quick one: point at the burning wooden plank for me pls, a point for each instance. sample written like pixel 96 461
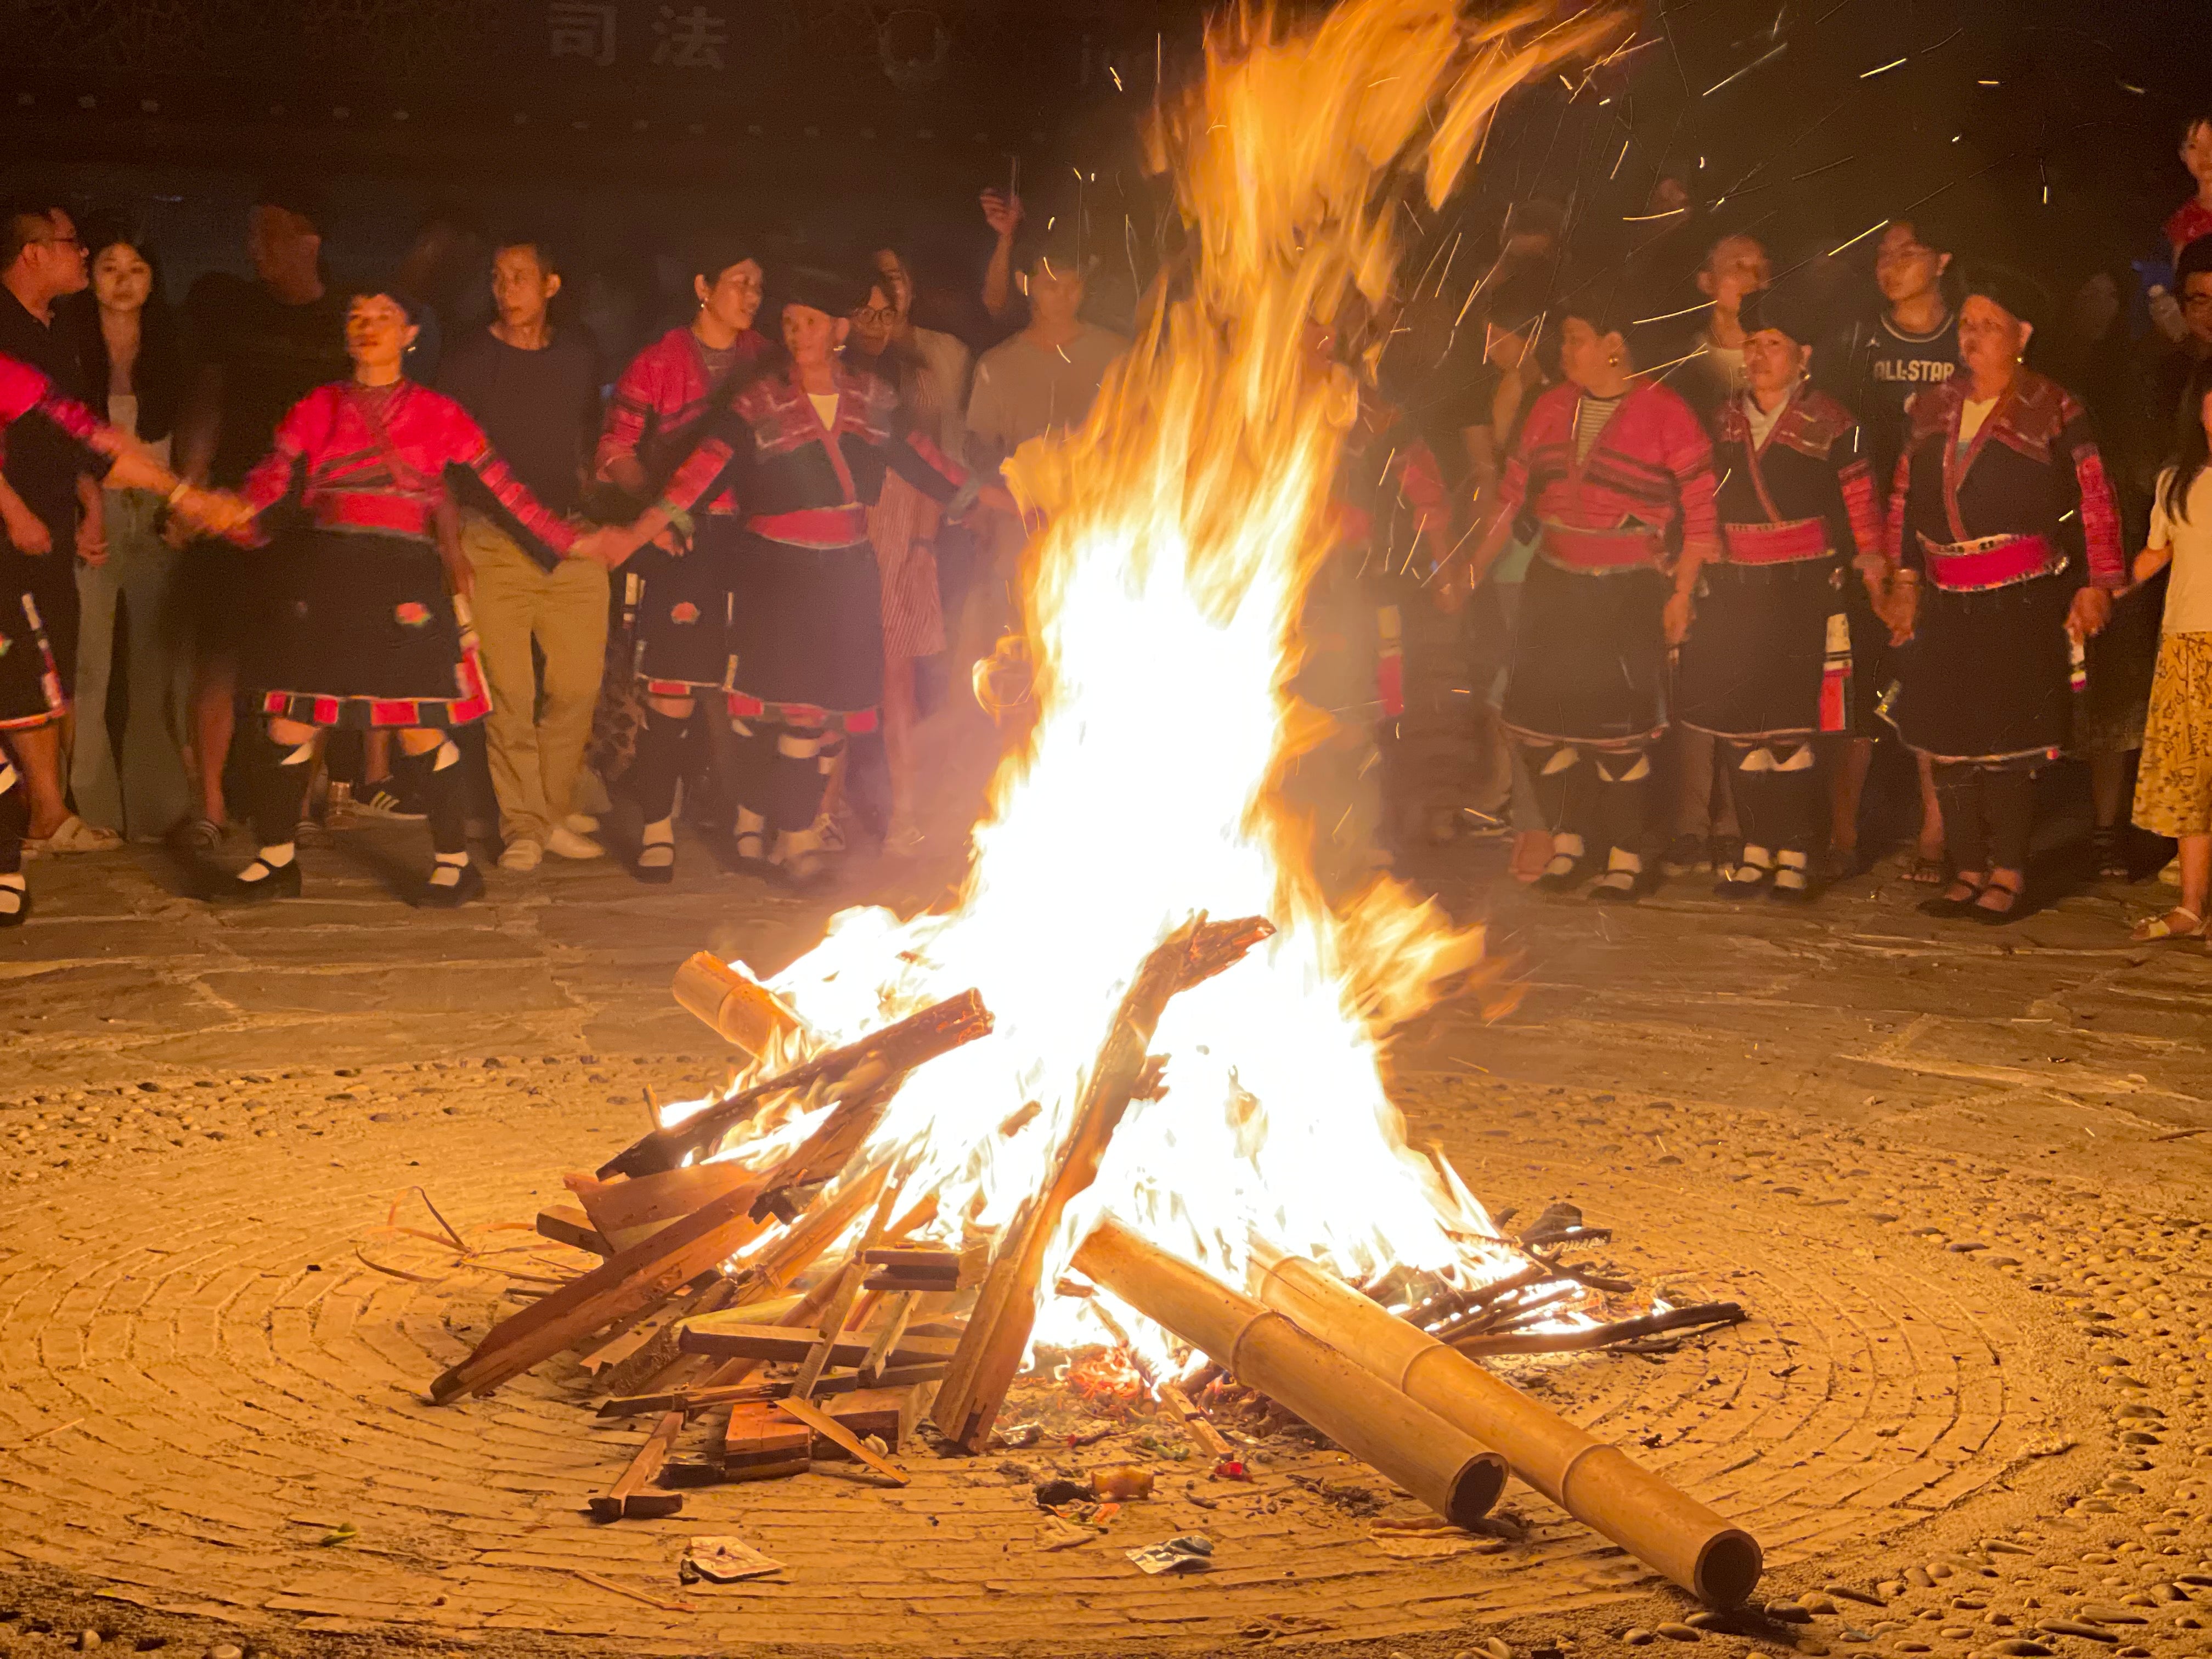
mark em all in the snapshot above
pixel 943 1269
pixel 1438 1463
pixel 899 1379
pixel 999 1331
pixel 856 1068
pixel 626 1211
pixel 782 1345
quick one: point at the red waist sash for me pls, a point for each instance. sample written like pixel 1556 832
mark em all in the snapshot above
pixel 1597 551
pixel 1992 562
pixel 394 515
pixel 1793 542
pixel 813 526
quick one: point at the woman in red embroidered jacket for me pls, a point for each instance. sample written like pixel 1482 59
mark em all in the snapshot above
pixel 362 632
pixel 31 695
pixel 2004 526
pixel 804 452
pixel 679 594
pixel 1767 663
pixel 1619 476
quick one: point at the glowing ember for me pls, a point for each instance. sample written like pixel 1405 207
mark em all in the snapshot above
pixel 1185 522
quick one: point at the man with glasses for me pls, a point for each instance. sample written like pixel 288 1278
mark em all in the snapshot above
pixel 2178 360
pixel 52 514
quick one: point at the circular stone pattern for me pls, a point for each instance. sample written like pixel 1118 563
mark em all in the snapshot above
pixel 212 1365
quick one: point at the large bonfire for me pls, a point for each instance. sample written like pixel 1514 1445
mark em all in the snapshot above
pixel 1180 529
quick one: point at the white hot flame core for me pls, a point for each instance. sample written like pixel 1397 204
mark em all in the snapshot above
pixel 1184 524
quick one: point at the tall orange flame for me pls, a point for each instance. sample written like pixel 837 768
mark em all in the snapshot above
pixel 1184 524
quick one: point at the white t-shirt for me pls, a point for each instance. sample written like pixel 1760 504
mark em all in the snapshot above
pixel 2189 595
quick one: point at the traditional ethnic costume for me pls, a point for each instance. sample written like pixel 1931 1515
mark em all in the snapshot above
pixel 2003 523
pixel 1767 664
pixel 808 638
pixel 1618 487
pixel 362 632
pixel 31 692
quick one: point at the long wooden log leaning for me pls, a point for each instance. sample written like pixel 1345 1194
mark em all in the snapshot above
pixel 969 1403
pixel 885 1053
pixel 1596 1483
pixel 1441 1464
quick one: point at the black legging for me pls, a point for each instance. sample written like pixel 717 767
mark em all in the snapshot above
pixel 1988 812
pixel 1603 797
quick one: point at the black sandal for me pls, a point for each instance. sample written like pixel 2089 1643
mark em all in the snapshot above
pixel 1944 906
pixel 1989 915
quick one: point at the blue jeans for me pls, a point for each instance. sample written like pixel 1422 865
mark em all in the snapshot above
pixel 142 793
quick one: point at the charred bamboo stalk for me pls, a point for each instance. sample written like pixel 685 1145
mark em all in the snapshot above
pixel 1005 1308
pixel 1405 1441
pixel 865 1065
pixel 739 1008
pixel 1596 1483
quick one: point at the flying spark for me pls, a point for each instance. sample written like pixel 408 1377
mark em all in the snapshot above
pixel 1884 70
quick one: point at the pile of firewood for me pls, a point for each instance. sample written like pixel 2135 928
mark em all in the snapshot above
pixel 844 1323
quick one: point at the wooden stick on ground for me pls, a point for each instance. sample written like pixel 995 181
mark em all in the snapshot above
pixel 858 1065
pixel 896 1312
pixel 627 1498
pixel 1195 1424
pixel 838 1434
pixel 1005 1309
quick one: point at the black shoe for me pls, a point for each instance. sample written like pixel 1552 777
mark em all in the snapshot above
pixel 1563 873
pixel 1798 892
pixel 1684 854
pixel 22 913
pixel 1609 891
pixel 1744 881
pixel 436 896
pixel 283 882
pixel 655 875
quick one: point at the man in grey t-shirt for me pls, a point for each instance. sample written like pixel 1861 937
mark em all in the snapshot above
pixel 1044 379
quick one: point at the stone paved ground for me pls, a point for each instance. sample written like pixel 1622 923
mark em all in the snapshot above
pixel 1950 1171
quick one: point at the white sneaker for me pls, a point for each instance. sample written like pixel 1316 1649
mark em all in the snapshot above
pixel 568 844
pixel 521 853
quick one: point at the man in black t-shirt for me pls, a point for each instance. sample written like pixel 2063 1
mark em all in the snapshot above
pixel 256 349
pixel 1875 368
pixel 53 516
pixel 535 391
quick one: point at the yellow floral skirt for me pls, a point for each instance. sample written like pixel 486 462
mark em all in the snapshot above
pixel 2173 786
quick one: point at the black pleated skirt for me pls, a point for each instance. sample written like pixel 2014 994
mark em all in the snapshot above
pixel 358 630
pixel 1589 659
pixel 808 631
pixel 1989 674
pixel 1753 664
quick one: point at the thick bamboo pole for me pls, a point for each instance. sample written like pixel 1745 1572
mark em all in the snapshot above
pixel 1391 1434
pixel 1598 1484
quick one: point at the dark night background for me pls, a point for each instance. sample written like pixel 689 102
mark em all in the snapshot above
pixel 2041 131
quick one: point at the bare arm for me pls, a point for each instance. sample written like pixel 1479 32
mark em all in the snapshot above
pixel 27 531
pixel 92 521
pixel 1003 213
pixel 2150 561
